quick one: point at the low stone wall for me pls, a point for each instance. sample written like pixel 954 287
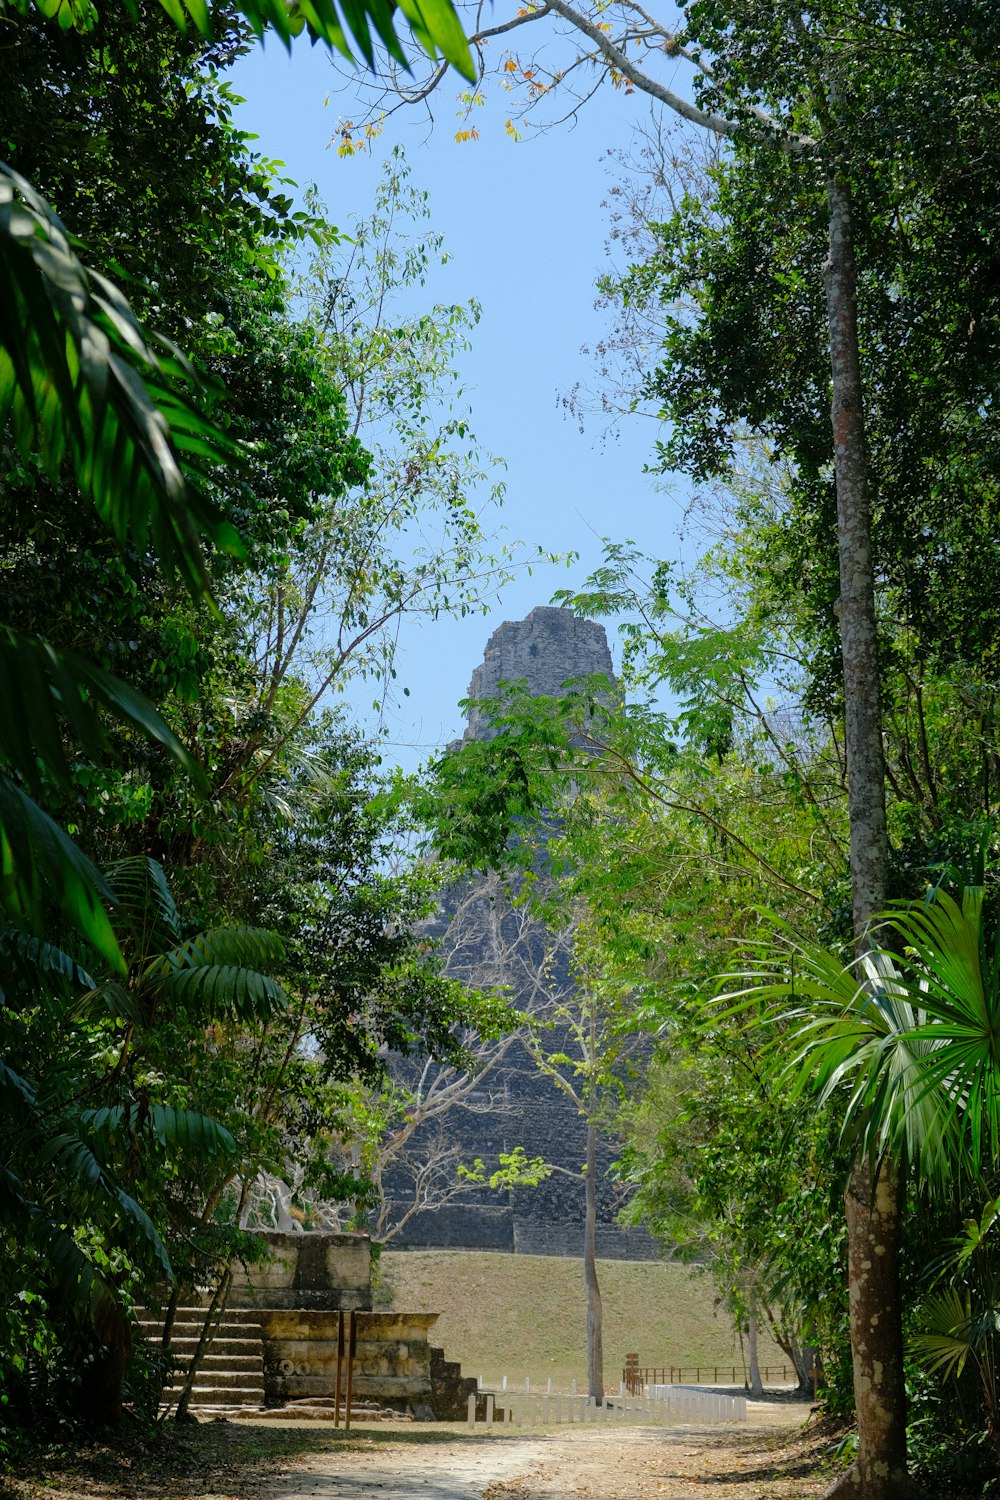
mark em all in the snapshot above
pixel 392 1363
pixel 313 1270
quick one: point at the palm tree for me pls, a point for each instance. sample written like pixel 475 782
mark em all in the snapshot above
pixel 908 1040
pixel 79 1144
pixel 909 1037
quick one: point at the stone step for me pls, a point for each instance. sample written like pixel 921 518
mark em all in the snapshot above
pixel 234 1380
pixel 230 1380
pixel 231 1371
pixel 210 1376
pixel 228 1349
pixel 184 1318
pixel 228 1395
pixel 238 1364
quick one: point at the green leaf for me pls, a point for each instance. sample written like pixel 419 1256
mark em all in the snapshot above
pixel 434 23
pixel 45 690
pixel 40 865
pixel 80 378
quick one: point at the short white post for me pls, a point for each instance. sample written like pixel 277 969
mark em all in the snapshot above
pixel 472 1409
pixel 548 1386
pixel 503 1383
pixel 572 1387
pixel 489 1412
pixel 527 1383
pixel 479 1382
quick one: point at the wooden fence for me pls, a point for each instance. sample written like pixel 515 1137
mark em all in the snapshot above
pixel 668 1406
pixel 636 1378
pixel 639 1377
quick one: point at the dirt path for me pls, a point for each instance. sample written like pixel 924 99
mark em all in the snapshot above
pixel 770 1458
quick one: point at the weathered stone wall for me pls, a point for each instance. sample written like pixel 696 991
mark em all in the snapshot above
pixel 524 1109
pixel 392 1363
pixel 317 1269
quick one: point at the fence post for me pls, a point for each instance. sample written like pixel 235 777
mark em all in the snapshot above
pixel 489 1412
pixel 472 1410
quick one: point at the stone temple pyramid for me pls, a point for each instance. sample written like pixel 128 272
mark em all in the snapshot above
pixel 489 943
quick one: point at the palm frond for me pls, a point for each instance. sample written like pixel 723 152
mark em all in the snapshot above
pixel 221 970
pixel 81 379
pixel 950 1333
pixel 188 1130
pixel 223 989
pixel 145 907
pixel 41 868
pixel 244 946
pixel 864 1033
pixel 39 971
pixel 341 24
pixel 172 1128
pixel 46 691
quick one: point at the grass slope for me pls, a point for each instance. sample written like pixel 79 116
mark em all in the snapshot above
pixel 524 1315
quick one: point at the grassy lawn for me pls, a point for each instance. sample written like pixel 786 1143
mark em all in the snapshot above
pixel 523 1315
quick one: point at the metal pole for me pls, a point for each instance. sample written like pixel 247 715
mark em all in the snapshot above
pixel 340 1362
pixel 352 1349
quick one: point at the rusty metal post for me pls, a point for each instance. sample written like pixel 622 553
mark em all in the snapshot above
pixel 352 1349
pixel 340 1362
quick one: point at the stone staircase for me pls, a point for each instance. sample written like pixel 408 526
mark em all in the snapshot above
pixel 450 1389
pixel 232 1371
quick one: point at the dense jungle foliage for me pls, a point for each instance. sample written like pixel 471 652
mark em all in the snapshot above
pixel 212 916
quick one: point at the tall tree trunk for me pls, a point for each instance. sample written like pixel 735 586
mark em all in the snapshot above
pixel 869 845
pixel 595 1321
pixel 753 1358
pixel 879 1473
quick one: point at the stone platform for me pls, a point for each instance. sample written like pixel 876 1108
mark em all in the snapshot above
pixel 290 1304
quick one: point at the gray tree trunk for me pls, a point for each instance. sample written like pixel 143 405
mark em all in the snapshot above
pixel 879 1472
pixel 595 1321
pixel 753 1358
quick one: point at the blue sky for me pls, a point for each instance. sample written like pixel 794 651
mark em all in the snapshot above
pixel 526 229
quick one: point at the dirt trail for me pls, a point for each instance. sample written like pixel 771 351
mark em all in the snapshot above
pixel 767 1459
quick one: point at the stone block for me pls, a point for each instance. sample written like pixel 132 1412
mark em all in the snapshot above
pixel 315 1269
